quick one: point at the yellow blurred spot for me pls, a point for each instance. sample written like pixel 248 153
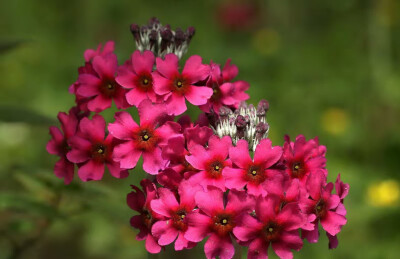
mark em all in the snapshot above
pixel 335 121
pixel 384 194
pixel 266 41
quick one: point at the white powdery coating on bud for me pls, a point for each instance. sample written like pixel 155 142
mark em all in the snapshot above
pixel 226 126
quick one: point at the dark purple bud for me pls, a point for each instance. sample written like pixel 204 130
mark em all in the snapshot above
pixel 153 36
pixel 263 105
pixel 261 129
pixel 190 33
pixel 166 37
pixel 143 29
pixel 224 112
pixel 180 37
pixel 135 29
pixel 153 21
pixel 241 122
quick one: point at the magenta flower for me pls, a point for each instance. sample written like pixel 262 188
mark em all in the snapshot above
pixel 303 157
pixel 108 48
pixel 175 86
pixel 91 150
pixel 140 201
pixel 59 146
pixel 211 163
pixel 271 226
pixel 101 86
pixel 136 75
pixel 145 139
pixel 257 175
pixel 175 223
pixel 217 221
pixel 323 205
pixel 225 92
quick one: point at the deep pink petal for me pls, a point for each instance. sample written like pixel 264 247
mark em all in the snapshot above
pixel 234 178
pixel 105 66
pixel 182 243
pixel 229 71
pixel 219 147
pixel 136 199
pixel 169 66
pixel 143 62
pixel 198 227
pixel 289 240
pixel 195 70
pixel 150 113
pixel 312 236
pixel 198 95
pixel 333 241
pixel 265 207
pixel 161 84
pixel 153 162
pixel 248 229
pixel 240 154
pixel 65 170
pixel 127 155
pixel 267 155
pixel 167 202
pixel 116 170
pixel 92 170
pixel 333 222
pixel 99 103
pixel 210 201
pixel 198 158
pixel 176 104
pixel 93 129
pixel 291 217
pixel 135 97
pixel 151 245
pixel 123 126
pixel 258 249
pixel 219 246
pixel 164 231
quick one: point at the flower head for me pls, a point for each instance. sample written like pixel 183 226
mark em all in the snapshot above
pixel 145 139
pixel 140 201
pixel 176 87
pixel 92 150
pixel 256 174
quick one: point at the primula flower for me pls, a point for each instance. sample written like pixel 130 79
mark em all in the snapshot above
pixel 91 150
pixel 140 201
pixel 175 223
pixel 59 146
pixel 323 205
pixel 136 75
pixel 225 93
pixel 276 227
pixel 101 86
pixel 303 157
pixel 256 174
pixel 217 220
pixel 211 163
pixel 175 86
pixel 145 139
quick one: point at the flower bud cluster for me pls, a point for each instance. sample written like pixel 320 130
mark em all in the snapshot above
pixel 246 122
pixel 160 39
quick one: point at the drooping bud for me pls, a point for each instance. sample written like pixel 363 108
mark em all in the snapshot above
pixel 161 40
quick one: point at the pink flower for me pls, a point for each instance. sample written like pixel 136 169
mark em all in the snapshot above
pixel 257 175
pixel 323 205
pixel 91 53
pixel 140 201
pixel 92 150
pixel 211 163
pixel 271 226
pixel 59 146
pixel 303 157
pixel 175 86
pixel 175 223
pixel 100 86
pixel 217 221
pixel 145 139
pixel 225 93
pixel 136 75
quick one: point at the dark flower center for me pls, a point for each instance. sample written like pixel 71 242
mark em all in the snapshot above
pixel 144 82
pixel 214 169
pixel 99 152
pixel 109 88
pixel 255 174
pixel 298 170
pixel 320 209
pixel 271 231
pixel 216 92
pixel 223 223
pixel 179 220
pixel 180 84
pixel 147 218
pixel 146 138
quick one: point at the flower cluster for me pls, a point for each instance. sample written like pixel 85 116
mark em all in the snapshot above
pixel 217 178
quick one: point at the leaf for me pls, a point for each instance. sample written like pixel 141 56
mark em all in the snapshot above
pixel 22 203
pixel 20 114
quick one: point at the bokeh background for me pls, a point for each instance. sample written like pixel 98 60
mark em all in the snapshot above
pixel 328 68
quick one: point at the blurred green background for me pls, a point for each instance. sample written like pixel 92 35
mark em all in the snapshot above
pixel 328 68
